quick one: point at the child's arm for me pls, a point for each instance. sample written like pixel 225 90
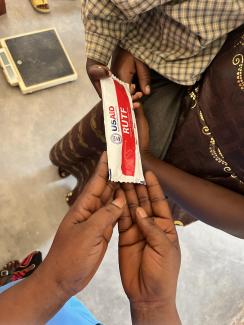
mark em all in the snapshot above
pixel 210 203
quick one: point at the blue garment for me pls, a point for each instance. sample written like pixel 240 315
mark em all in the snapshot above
pixel 72 313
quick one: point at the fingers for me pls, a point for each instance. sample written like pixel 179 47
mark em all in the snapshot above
pixel 108 193
pixel 131 198
pixel 97 192
pixel 96 72
pixel 132 89
pixel 98 182
pixel 126 75
pixel 109 214
pixel 140 116
pixel 154 235
pixel 123 65
pixel 159 204
pixel 143 198
pixel 137 96
pixel 160 207
pixel 125 221
pixel 143 73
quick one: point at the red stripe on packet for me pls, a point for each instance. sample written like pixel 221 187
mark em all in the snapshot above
pixel 128 163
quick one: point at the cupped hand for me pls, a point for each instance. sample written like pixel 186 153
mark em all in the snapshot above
pixel 83 236
pixel 149 252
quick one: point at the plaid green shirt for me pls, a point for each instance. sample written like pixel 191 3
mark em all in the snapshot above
pixel 176 38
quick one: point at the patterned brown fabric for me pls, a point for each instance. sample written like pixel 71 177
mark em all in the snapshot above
pixel 79 150
pixel 209 139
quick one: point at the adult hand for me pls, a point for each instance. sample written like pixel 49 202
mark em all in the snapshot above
pixel 76 253
pixel 149 254
pixel 97 71
pixel 125 66
pixel 83 236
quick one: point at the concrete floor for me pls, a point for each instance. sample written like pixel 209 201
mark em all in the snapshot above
pixel 211 285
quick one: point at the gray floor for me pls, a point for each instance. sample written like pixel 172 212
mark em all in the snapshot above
pixel 211 285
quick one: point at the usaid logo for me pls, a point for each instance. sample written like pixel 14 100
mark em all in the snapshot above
pixel 116 138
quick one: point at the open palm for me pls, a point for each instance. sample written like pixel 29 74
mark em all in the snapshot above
pixel 149 253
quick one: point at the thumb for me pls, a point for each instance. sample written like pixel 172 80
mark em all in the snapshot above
pixel 143 74
pixel 97 71
pixel 109 214
pixel 153 234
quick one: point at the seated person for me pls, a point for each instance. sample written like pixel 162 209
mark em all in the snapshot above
pixel 147 240
pixel 203 170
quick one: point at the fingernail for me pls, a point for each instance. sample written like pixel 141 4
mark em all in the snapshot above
pixel 141 212
pixel 119 202
pixel 178 223
pixel 147 90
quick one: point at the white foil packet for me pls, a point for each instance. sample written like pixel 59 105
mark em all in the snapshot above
pixel 124 159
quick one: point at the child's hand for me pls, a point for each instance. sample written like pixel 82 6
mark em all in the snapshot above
pixel 125 66
pixel 136 96
pixel 97 71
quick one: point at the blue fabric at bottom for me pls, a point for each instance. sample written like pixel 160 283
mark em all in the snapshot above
pixel 72 313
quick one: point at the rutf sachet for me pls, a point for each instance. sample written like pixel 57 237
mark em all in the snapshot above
pixel 124 159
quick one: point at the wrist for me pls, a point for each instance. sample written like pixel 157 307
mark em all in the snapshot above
pixel 44 296
pixel 45 279
pixel 146 157
pixel 146 153
pixel 154 313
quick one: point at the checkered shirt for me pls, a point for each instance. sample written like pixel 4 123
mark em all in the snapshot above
pixel 176 38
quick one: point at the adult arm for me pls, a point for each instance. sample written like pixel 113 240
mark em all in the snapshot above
pixel 76 253
pixel 32 301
